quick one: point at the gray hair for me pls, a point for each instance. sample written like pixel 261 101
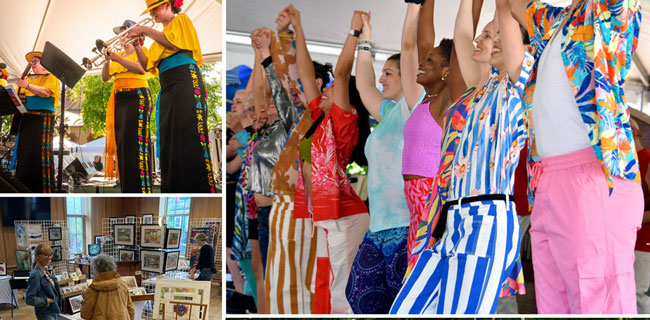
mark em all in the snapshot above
pixel 103 263
pixel 200 237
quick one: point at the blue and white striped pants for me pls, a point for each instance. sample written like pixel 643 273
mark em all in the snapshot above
pixel 464 271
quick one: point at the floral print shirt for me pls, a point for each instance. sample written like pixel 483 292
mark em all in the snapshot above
pixel 599 40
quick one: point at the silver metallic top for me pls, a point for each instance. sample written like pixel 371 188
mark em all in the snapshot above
pixel 270 145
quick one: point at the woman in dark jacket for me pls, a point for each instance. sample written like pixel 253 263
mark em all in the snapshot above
pixel 205 265
pixel 42 288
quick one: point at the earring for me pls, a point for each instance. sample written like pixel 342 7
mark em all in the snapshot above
pixel 445 76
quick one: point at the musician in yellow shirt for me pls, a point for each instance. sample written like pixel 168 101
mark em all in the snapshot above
pixel 33 151
pixel 127 117
pixel 185 159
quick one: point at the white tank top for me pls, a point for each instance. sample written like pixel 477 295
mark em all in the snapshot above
pixel 557 122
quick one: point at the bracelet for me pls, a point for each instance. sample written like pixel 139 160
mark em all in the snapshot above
pixel 28 85
pixel 365 42
pixel 355 33
pixel 369 49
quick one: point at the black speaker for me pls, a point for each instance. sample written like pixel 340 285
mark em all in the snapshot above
pixel 76 170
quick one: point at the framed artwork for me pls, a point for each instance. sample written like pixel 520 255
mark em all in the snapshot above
pixel 147 218
pixel 124 234
pixel 127 255
pixel 137 291
pixel 171 260
pixel 152 236
pixel 179 290
pixel 54 233
pixel 99 240
pixel 129 219
pixel 152 261
pixel 21 236
pixel 23 260
pixel 66 290
pixel 173 239
pixel 196 230
pixel 65 275
pixel 57 253
pixel 130 282
pixel 94 249
pixel 75 303
pixel 3 269
pixel 34 232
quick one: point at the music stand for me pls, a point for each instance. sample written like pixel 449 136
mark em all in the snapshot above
pixel 69 72
pixel 8 102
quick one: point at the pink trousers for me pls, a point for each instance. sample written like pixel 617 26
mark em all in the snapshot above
pixel 583 238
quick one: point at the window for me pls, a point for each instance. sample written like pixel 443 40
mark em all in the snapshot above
pixel 177 215
pixel 76 209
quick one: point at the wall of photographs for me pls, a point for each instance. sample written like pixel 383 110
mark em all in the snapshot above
pixel 31 233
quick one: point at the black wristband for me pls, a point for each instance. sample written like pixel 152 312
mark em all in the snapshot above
pixel 355 33
pixel 414 1
pixel 267 61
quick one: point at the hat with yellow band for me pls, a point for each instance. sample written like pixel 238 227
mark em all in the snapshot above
pixel 30 55
pixel 152 4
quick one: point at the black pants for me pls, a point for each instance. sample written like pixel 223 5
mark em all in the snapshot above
pixel 132 115
pixel 34 166
pixel 185 162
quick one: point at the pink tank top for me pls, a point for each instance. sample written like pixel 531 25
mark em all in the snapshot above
pixel 422 138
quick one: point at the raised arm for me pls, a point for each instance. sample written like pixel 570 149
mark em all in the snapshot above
pixel 518 8
pixel 258 81
pixel 426 36
pixel 303 59
pixel 286 111
pixel 464 43
pixel 512 44
pixel 409 57
pixel 343 68
pixel 365 75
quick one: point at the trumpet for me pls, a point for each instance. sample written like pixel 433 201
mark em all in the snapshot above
pixel 114 45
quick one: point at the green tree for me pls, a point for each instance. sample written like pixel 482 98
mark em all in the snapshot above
pixel 93 94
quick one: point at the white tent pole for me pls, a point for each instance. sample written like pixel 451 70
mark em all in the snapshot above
pixel 40 29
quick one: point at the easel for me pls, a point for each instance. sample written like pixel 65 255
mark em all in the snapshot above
pixel 69 73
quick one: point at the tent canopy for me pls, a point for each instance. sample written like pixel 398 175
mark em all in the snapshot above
pixel 328 22
pixel 73 26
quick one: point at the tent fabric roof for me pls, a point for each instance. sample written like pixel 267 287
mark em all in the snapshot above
pixel 73 26
pixel 329 21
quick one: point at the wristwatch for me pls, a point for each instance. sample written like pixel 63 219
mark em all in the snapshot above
pixel 355 33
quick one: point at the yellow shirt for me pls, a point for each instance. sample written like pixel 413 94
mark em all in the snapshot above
pixel 181 33
pixel 49 81
pixel 3 82
pixel 119 71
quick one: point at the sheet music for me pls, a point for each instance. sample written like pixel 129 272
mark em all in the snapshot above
pixel 14 97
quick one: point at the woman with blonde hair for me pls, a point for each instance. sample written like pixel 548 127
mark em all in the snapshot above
pixel 43 290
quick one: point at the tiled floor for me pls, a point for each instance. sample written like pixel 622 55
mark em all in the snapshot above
pixel 25 312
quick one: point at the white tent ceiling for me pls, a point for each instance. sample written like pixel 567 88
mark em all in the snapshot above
pixel 74 25
pixel 329 21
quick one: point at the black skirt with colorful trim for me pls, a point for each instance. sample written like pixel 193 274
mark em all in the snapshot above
pixel 185 161
pixel 132 115
pixel 34 162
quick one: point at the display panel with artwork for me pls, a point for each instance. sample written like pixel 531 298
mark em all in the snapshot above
pixel 23 260
pixel 57 253
pixel 196 292
pixel 152 261
pixel 75 303
pixel 152 236
pixel 21 236
pixel 127 255
pixel 173 239
pixel 124 234
pixel 94 249
pixel 55 233
pixel 171 261
pixel 130 282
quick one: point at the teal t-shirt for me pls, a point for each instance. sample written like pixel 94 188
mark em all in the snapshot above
pixel 383 150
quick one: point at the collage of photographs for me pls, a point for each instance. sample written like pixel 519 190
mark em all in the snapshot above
pixel 247 159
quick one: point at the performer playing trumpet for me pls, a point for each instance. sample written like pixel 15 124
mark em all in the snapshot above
pixel 185 159
pixel 127 116
pixel 33 151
